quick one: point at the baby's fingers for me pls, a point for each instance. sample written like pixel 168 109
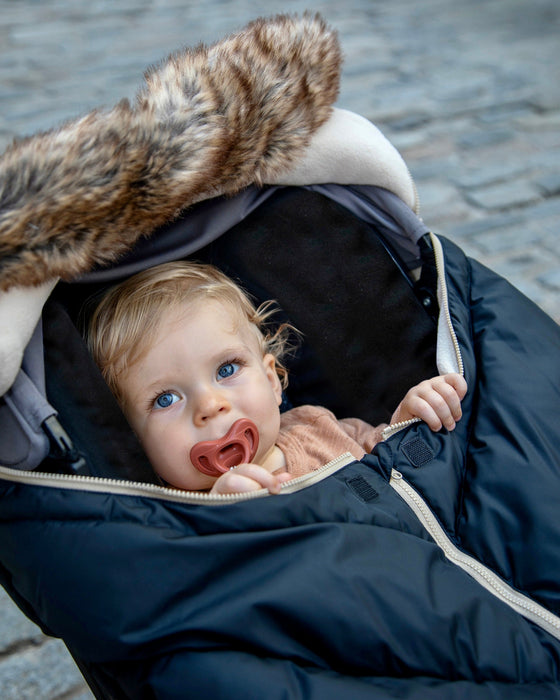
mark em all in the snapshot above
pixel 245 478
pixel 444 396
pixel 432 409
pixel 458 382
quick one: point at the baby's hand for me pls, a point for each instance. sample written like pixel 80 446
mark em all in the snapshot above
pixel 249 477
pixel 436 401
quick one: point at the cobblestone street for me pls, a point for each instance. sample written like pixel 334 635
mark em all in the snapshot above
pixel 467 90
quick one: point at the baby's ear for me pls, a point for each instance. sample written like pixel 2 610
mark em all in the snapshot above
pixel 269 362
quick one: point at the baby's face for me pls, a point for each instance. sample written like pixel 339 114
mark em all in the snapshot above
pixel 205 371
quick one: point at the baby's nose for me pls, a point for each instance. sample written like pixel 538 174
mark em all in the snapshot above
pixel 210 404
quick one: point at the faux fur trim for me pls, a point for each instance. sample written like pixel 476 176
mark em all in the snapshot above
pixel 207 121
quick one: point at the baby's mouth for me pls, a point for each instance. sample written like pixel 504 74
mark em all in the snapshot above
pixel 238 446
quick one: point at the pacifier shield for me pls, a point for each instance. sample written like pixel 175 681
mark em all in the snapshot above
pixel 238 446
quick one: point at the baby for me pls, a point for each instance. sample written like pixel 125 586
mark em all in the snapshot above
pixel 199 378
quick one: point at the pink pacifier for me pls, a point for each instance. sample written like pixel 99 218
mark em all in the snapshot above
pixel 238 446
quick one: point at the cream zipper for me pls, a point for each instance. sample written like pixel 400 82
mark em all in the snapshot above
pixel 445 323
pixel 446 326
pixel 133 488
pixel 397 427
pixel 519 602
pixel 318 475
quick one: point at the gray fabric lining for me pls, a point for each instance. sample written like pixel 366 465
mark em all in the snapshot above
pixel 210 219
pixel 181 238
pixel 23 409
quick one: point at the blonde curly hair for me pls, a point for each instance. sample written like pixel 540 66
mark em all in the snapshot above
pixel 125 323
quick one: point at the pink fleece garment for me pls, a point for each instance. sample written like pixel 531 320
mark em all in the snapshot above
pixel 312 436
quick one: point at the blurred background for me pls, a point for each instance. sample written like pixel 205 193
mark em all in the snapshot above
pixel 467 90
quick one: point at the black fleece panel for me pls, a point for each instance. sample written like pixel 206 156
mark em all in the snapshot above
pixel 367 337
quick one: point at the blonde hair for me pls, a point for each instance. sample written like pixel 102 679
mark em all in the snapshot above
pixel 126 321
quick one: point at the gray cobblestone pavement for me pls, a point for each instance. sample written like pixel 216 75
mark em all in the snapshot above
pixel 468 91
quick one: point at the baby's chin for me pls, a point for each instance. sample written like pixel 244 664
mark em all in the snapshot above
pixel 195 481
pixel 272 459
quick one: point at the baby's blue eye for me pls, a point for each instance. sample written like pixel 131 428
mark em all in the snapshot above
pixel 165 400
pixel 227 370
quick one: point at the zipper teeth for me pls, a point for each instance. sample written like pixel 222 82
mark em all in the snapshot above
pixel 114 486
pixel 396 427
pixel 486 577
pixel 440 267
pixel 318 474
pixel 135 488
